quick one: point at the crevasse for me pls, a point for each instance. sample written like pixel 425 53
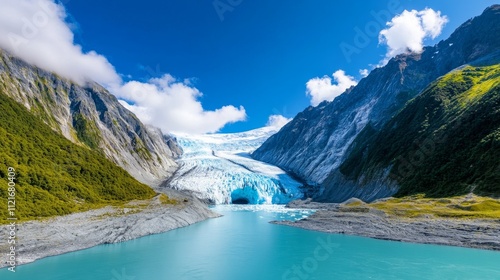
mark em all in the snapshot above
pixel 218 168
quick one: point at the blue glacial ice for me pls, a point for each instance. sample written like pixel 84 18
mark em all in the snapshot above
pixel 218 168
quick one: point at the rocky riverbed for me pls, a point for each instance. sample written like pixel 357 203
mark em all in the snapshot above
pixel 369 222
pixel 39 239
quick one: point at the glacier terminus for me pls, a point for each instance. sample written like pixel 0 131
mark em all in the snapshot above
pixel 218 168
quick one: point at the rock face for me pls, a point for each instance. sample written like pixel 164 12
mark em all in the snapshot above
pixel 318 140
pixel 445 142
pixel 89 115
pixel 369 222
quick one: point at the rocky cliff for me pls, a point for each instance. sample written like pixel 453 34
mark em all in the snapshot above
pixel 319 139
pixel 90 116
pixel 445 142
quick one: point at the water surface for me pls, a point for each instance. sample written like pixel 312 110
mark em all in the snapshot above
pixel 242 245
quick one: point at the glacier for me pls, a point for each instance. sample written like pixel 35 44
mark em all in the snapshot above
pixel 218 168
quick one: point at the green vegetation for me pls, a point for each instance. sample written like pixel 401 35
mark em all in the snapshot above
pixel 138 206
pixel 454 207
pixel 86 131
pixel 445 142
pixel 164 199
pixel 39 110
pixel 53 175
pixel 141 149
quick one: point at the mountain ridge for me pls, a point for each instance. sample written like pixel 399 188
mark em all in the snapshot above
pixel 53 176
pixel 318 140
pixel 444 142
pixel 90 116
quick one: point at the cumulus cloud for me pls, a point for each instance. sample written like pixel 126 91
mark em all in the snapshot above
pixel 37 32
pixel 433 22
pixel 321 89
pixel 173 105
pixel 364 72
pixel 407 31
pixel 277 121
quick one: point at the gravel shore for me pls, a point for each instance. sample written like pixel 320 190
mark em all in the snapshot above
pixel 39 239
pixel 369 222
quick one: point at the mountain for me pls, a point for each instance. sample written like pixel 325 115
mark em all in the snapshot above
pixel 445 142
pixel 90 116
pixel 319 140
pixel 218 168
pixel 53 176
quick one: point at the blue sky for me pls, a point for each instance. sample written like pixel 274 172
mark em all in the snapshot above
pixel 260 54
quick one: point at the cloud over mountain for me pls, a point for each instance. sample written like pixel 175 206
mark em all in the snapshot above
pixel 407 31
pixel 37 32
pixel 173 105
pixel 321 89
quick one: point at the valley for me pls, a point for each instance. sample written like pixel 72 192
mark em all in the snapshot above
pixel 392 173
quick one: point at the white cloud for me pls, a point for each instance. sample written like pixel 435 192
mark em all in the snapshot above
pixel 364 72
pixel 407 31
pixel 277 121
pixel 173 106
pixel 321 89
pixel 433 22
pixel 36 31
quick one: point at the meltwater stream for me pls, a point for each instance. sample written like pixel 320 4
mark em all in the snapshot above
pixel 242 245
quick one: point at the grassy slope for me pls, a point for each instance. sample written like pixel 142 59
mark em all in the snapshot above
pixel 445 142
pixel 55 176
pixel 453 207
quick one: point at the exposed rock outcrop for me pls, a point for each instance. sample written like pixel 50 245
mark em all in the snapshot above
pixel 91 116
pixel 318 140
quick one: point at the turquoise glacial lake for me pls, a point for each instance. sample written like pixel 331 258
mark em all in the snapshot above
pixel 242 245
